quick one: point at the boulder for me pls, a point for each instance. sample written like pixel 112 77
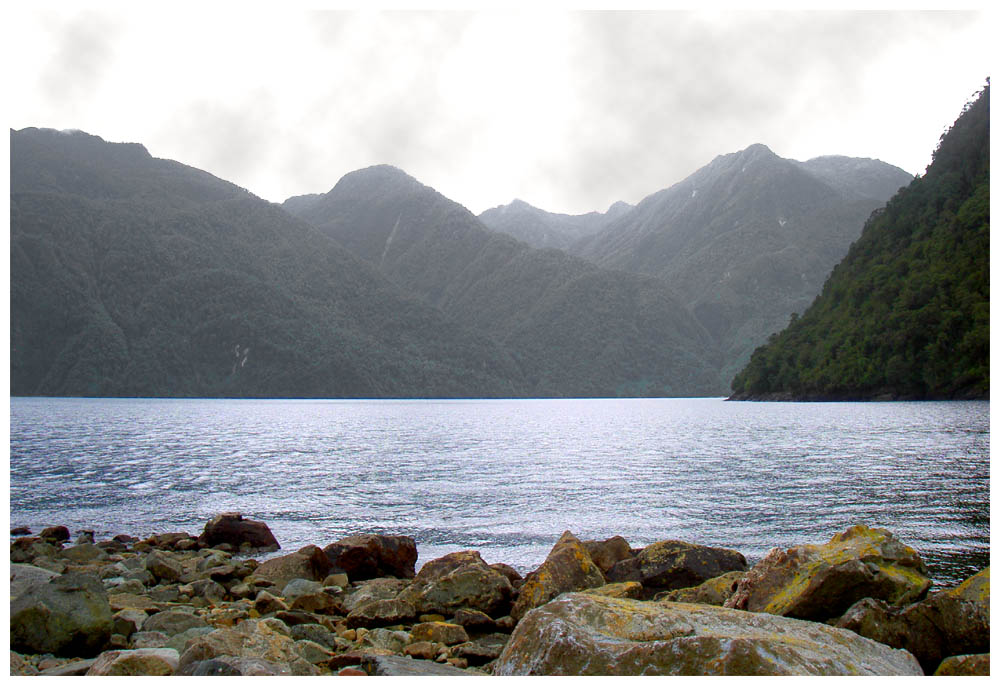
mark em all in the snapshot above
pixel 20 531
pixel 513 576
pixel 163 566
pixel 381 613
pixel 712 592
pixel 127 622
pixel 298 587
pixel 74 668
pixel 149 639
pixel 568 567
pixel 667 565
pixel 316 633
pixel 620 589
pixel 228 665
pixel 370 556
pixel 32 549
pixel 250 639
pixel 482 649
pixel 23 576
pixel 474 621
pixel 173 622
pixel 820 582
pixel 312 652
pixel 318 603
pixel 965 665
pixel 455 581
pixel 424 650
pixel 265 603
pixel 142 662
pixel 306 563
pixel 231 528
pixel 395 665
pixel 55 534
pixel 439 632
pixel 580 634
pixel 84 553
pixel 68 615
pixel 609 552
pixel 950 622
pixel 376 589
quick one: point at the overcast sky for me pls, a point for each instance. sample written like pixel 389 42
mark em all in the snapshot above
pixel 567 111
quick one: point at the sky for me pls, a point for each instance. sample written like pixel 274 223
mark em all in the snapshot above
pixel 569 111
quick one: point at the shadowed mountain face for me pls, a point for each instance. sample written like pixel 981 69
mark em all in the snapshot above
pixel 748 239
pixel 906 313
pixel 132 275
pixel 576 329
pixel 541 229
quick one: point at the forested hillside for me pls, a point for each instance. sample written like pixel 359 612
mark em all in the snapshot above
pixel 574 328
pixel 906 313
pixel 135 276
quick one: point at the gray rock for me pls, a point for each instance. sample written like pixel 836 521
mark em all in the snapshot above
pixel 381 613
pixel 213 667
pixel 149 639
pixel 128 621
pixel 579 634
pixel 455 581
pixel 84 553
pixel 75 668
pixel 313 652
pixel 22 576
pixel 297 587
pixel 376 589
pixel 481 650
pixel 142 662
pixel 386 639
pixel 69 615
pixel 392 665
pixel 179 641
pixel 210 590
pixel 316 633
pixel 172 622
pixel 163 567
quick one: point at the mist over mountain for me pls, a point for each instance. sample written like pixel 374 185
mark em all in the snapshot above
pixel 748 239
pixel 575 328
pixel 135 276
pixel 906 313
pixel 542 229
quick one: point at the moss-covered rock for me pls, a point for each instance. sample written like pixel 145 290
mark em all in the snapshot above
pixel 608 552
pixel 621 589
pixel 715 591
pixel 820 582
pixel 965 665
pixel 455 581
pixel 68 615
pixel 582 634
pixel 955 621
pixel 568 567
pixel 142 662
pixel 668 565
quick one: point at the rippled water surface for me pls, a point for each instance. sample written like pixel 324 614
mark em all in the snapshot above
pixel 508 476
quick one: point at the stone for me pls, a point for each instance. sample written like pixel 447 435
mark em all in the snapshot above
pixel 298 587
pixel 210 590
pixel 230 528
pixel 394 665
pixel 68 615
pixel 126 622
pixel 179 641
pixel 351 671
pixel 481 650
pixel 318 603
pixel 306 563
pixel 123 601
pixel 74 668
pixel 439 632
pixel 339 579
pixel 212 667
pixel 163 567
pixel 168 541
pixel 954 621
pixel 620 589
pixel 423 650
pixel 607 553
pixel 34 550
pixel 386 639
pixel 266 603
pixel 21 667
pixel 455 581
pixel 380 613
pixel 250 639
pixel 149 639
pixel 370 556
pixel 312 652
pixel 473 620
pixel 376 589
pixel 85 536
pixel 668 565
pixel 116 642
pixel 295 617
pixel 316 633
pixel 84 553
pixel 20 531
pixel 567 567
pixel 24 576
pixel 715 591
pixel 820 582
pixel 965 665
pixel 173 622
pixel 513 576
pixel 142 662
pixel 580 634
pixel 229 665
pixel 275 625
pixel 55 534
pixel 354 657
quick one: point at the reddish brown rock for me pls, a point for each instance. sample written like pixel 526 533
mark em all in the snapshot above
pixel 370 556
pixel 609 552
pixel 230 528
pixel 306 563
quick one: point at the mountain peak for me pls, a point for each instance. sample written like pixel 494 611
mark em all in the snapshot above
pixel 757 151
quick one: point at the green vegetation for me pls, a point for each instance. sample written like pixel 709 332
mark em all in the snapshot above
pixel 906 313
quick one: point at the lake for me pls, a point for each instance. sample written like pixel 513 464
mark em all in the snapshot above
pixel 507 477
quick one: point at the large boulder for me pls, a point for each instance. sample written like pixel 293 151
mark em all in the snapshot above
pixel 458 580
pixel 712 592
pixel 231 528
pixel 608 552
pixel 172 622
pixel 68 615
pixel 375 589
pixel 820 582
pixel 377 613
pixel 141 662
pixel 951 622
pixel 668 565
pixel 370 556
pixel 581 634
pixel 306 563
pixel 568 567
pixel 255 639
pixel 23 577
pixel 965 665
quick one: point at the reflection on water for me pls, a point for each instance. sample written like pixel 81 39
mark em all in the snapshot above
pixel 508 476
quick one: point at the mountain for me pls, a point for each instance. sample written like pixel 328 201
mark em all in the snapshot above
pixel 136 276
pixel 748 239
pixel 542 229
pixel 575 329
pixel 906 313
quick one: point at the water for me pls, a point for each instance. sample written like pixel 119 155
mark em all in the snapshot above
pixel 507 477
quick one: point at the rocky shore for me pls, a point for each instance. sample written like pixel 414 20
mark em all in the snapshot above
pixel 176 604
